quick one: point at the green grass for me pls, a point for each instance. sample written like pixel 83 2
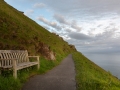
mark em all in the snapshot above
pixel 8 83
pixel 91 77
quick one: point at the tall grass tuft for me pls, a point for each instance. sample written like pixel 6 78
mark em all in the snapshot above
pixel 9 83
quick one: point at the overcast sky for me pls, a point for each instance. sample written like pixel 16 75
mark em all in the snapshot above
pixel 93 26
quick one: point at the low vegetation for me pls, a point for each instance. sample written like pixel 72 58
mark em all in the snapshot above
pixel 91 77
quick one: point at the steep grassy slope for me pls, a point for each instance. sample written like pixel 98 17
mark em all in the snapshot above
pixel 19 32
pixel 89 76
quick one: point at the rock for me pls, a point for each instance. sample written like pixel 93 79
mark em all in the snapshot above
pixel 52 56
pixel 45 51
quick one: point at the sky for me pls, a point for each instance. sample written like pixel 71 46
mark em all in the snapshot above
pixel 93 26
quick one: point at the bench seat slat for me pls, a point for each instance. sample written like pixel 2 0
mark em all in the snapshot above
pixel 21 65
pixel 25 65
pixel 6 67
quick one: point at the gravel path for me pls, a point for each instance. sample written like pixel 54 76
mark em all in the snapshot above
pixel 61 77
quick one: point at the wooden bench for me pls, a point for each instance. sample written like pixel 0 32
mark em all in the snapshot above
pixel 16 60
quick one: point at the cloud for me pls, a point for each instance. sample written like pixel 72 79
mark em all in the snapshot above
pixel 40 18
pixel 75 26
pixel 79 36
pixel 63 23
pixel 99 47
pixel 60 19
pixel 84 7
pixel 108 34
pixel 39 5
pixel 100 37
pixel 68 30
pixel 52 24
pixel 103 43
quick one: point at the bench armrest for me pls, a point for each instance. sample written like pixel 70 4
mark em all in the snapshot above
pixel 34 57
pixel 37 60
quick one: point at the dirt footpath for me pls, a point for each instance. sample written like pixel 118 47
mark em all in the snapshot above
pixel 61 77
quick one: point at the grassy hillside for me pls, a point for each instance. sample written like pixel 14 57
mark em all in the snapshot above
pixel 92 77
pixel 19 32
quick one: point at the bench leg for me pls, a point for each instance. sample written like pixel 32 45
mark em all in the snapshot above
pixel 15 73
pixel 38 66
pixel 14 69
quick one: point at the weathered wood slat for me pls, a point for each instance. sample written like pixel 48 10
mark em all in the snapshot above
pixel 9 62
pixel 24 65
pixel 16 59
pixel 22 57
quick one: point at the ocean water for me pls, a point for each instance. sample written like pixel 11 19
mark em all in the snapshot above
pixel 109 62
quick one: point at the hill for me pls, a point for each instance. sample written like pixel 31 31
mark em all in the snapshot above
pixel 18 32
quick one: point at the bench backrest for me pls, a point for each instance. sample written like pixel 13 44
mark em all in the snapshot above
pixel 6 56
